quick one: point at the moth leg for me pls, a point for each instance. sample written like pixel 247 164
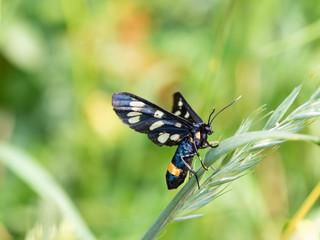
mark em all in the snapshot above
pixel 198 154
pixel 190 173
pixel 213 144
pixel 190 168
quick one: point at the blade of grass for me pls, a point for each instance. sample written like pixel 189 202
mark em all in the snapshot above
pixel 180 219
pixel 298 38
pixel 316 94
pixel 282 109
pixel 224 147
pixel 42 183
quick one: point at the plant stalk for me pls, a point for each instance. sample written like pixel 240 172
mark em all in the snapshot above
pixel 212 155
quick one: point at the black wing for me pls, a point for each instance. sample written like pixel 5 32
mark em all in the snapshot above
pixel 182 109
pixel 162 127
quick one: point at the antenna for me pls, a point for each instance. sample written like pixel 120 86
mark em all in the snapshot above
pixel 211 114
pixel 222 109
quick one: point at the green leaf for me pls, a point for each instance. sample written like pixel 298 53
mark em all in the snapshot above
pixel 264 145
pixel 179 219
pixel 222 181
pixel 38 178
pixel 315 95
pixel 247 123
pixel 306 115
pixel 226 159
pixel 225 146
pixel 282 109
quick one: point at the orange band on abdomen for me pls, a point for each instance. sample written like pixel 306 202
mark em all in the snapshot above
pixel 174 170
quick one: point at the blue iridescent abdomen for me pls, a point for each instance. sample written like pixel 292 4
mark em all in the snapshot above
pixel 177 170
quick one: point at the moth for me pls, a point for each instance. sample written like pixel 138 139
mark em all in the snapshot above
pixel 182 127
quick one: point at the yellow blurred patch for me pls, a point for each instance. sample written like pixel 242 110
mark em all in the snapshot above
pixel 4 235
pixel 63 231
pixel 7 122
pixel 213 65
pixel 305 230
pixel 101 117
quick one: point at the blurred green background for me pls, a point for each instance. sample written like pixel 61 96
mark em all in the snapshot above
pixel 60 63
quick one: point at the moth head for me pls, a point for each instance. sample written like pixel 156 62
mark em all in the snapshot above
pixel 208 129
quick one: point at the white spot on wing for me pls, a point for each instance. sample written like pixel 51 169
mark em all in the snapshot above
pixel 158 114
pixel 132 114
pixel 180 103
pixel 175 137
pixel 163 137
pixel 134 119
pixel 186 115
pixel 178 125
pixel 177 113
pixel 135 109
pixel 156 125
pixel 136 104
